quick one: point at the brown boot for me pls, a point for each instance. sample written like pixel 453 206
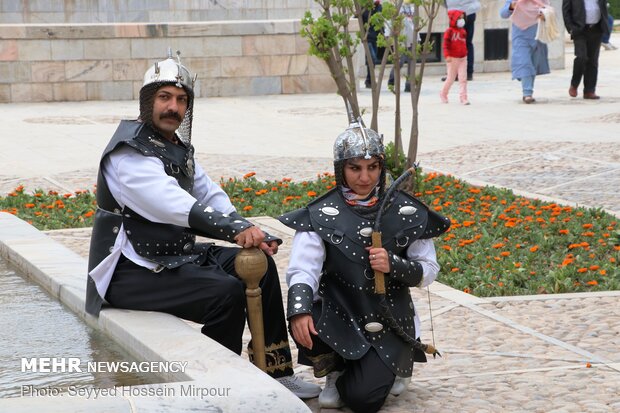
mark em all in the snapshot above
pixel 572 91
pixel 590 95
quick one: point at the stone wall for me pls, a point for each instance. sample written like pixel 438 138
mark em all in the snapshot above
pixel 148 11
pixel 68 62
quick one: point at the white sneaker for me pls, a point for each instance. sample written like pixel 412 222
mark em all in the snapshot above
pixel 329 397
pixel 607 46
pixel 400 385
pixel 300 388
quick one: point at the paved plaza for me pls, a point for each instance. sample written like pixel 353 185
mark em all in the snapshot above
pixel 547 353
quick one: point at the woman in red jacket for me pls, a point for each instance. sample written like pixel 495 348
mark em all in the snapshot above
pixel 455 52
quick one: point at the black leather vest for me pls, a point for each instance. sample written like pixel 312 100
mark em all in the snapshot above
pixel 168 245
pixel 351 320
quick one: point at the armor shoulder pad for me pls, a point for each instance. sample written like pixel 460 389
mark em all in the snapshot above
pixel 436 223
pixel 298 219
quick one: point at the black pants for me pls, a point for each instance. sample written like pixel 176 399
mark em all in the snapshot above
pixel 210 294
pixel 587 49
pixel 470 21
pixel 365 383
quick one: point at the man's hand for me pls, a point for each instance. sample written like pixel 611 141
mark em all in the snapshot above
pixel 250 237
pixel 270 248
pixel 302 326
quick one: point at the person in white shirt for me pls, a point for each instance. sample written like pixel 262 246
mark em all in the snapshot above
pixel 586 21
pixel 153 199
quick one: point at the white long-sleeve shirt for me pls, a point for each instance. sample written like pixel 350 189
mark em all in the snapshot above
pixel 141 183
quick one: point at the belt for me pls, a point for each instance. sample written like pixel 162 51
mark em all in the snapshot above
pixel 591 26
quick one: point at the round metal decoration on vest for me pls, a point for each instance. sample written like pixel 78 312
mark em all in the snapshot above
pixel 373 327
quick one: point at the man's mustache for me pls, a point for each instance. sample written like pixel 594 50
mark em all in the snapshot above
pixel 171 115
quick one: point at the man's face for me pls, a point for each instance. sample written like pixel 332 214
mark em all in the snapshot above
pixel 169 107
pixel 362 175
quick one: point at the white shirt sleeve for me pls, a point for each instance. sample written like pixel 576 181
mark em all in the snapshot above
pixel 423 251
pixel 210 193
pixel 140 182
pixel 306 260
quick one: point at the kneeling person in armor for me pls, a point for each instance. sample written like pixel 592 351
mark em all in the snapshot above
pixel 335 316
pixel 153 199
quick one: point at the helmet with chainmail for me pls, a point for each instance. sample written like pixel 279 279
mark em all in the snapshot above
pixel 164 73
pixel 357 141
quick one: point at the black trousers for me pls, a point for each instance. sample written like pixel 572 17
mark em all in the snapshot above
pixel 587 49
pixel 210 294
pixel 470 21
pixel 365 383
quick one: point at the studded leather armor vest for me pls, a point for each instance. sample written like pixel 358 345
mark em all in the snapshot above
pixel 164 244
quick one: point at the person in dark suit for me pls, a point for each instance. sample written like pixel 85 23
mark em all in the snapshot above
pixel 586 21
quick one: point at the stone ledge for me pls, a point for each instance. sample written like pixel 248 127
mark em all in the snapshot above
pixel 145 335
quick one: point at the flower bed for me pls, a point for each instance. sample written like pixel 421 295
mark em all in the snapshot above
pixel 499 243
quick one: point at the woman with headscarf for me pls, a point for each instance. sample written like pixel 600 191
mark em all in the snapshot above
pixel 529 56
pixel 336 318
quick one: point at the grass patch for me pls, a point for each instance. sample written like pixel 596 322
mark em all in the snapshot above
pixel 499 243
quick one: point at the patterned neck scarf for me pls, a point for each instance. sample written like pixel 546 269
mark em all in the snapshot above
pixel 354 199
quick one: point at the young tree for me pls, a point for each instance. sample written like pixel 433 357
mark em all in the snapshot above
pixel 331 38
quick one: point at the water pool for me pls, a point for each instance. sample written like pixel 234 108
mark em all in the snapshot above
pixel 35 325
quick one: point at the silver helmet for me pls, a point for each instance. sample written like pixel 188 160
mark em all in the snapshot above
pixel 358 141
pixel 168 72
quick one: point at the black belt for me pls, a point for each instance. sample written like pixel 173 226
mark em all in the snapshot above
pixel 591 26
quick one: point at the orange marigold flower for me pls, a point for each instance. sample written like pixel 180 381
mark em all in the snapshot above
pixel 438 208
pixel 38 213
pixel 247 189
pixel 587 226
pixel 446 247
pixel 500 245
pixel 505 253
pixel 89 214
pixel 518 264
pixel 466 290
pixel 454 269
pixel 468 223
pixel 274 189
pixel 592 282
pixel 582 270
pixel 287 179
pixel 510 224
pixel 603 272
pixel 617 247
pixel 249 175
pixel 594 267
pixel 247 207
pixel 612 259
pixel 38 195
pixel 66 195
pixel 29 205
pixel 474 190
pixel 534 248
pixel 588 234
pixel 500 284
pixel 311 193
pixel 563 231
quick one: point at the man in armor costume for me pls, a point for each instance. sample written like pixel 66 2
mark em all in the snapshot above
pixel 153 199
pixel 335 316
